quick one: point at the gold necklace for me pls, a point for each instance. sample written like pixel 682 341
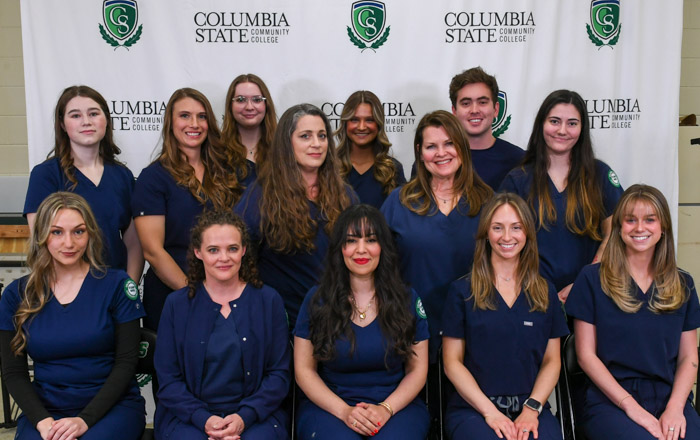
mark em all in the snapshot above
pixel 360 313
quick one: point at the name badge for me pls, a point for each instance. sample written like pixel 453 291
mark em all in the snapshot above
pixel 527 323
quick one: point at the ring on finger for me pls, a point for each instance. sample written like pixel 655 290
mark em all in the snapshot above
pixel 672 428
pixel 525 430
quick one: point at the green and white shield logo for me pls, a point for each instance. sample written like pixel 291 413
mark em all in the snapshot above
pixel 605 22
pixel 120 17
pixel 368 19
pixel 501 122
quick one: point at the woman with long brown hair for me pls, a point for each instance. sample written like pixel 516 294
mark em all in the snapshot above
pixel 636 316
pixel 79 322
pixel 363 149
pixel 294 203
pixel 192 172
pixel 501 330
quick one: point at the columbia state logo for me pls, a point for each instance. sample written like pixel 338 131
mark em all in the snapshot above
pixel 368 19
pixel 604 29
pixel 120 18
pixel 131 289
pixel 420 311
pixel 612 177
pixel 501 121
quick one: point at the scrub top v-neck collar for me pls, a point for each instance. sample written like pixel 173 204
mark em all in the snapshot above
pixel 67 306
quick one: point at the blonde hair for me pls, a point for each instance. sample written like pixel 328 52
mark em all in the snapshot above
pixel 37 291
pixel 669 290
pixel 482 276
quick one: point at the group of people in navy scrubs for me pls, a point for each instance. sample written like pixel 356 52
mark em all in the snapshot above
pixel 265 231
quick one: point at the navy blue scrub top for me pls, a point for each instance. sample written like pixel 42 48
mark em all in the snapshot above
pixel 290 274
pixel 562 252
pixel 633 345
pixel 222 381
pixel 110 200
pixel 368 188
pixel 363 376
pixel 495 162
pixel 504 347
pixel 73 345
pixel 434 251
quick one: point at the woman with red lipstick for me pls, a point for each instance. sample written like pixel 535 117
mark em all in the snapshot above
pixel 363 149
pixel 223 354
pixel 250 120
pixel 571 192
pixel 191 173
pixel 84 161
pixel 636 316
pixel 294 203
pixel 79 322
pixel 503 303
pixel 435 215
pixel 360 345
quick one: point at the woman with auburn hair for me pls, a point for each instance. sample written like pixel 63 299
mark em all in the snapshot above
pixel 503 303
pixel 360 345
pixel 635 318
pixel 434 216
pixel 250 120
pixel 79 322
pixel 363 149
pixel 571 192
pixel 192 172
pixel 294 203
pixel 223 351
pixel 84 161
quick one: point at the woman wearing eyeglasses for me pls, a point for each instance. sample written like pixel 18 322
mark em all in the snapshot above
pixel 250 120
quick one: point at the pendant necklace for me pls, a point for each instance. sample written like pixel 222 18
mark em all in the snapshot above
pixel 361 313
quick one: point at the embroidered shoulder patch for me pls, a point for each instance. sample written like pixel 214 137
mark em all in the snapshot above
pixel 131 289
pixel 612 177
pixel 420 311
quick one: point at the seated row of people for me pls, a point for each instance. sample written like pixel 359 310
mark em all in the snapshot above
pixel 360 342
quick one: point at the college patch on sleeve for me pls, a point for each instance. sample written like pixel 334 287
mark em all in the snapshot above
pixel 612 177
pixel 420 311
pixel 131 289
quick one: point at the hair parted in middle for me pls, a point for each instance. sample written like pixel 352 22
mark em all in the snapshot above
pixel 384 170
pixel 330 309
pixel 475 75
pixel 527 276
pixel 195 274
pixel 220 184
pixel 669 289
pixel 285 215
pixel 584 198
pixel 42 273
pixel 417 195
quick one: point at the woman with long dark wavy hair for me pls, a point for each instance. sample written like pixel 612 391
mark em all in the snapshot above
pixel 571 192
pixel 294 203
pixel 223 354
pixel 363 149
pixel 84 161
pixel 636 316
pixel 501 333
pixel 79 322
pixel 360 345
pixel 193 171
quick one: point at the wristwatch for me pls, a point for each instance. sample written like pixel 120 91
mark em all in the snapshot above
pixel 533 405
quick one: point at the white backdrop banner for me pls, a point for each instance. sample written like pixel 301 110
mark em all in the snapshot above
pixel 622 56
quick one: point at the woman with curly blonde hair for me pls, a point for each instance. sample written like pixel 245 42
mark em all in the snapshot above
pixel 294 203
pixel 636 316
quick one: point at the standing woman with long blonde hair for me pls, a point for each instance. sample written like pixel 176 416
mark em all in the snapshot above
pixel 79 322
pixel 636 316
pixel 294 203
pixel 191 173
pixel 363 149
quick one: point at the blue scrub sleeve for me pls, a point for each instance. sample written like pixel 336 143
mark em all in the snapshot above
pixel 173 392
pixel 453 324
pixel 400 176
pixel 301 329
pixel 692 314
pixel 276 377
pixel 150 193
pixel 510 184
pixel 126 302
pixel 559 327
pixel 611 188
pixel 422 332
pixel 43 181
pixel 249 210
pixel 9 302
pixel 579 304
